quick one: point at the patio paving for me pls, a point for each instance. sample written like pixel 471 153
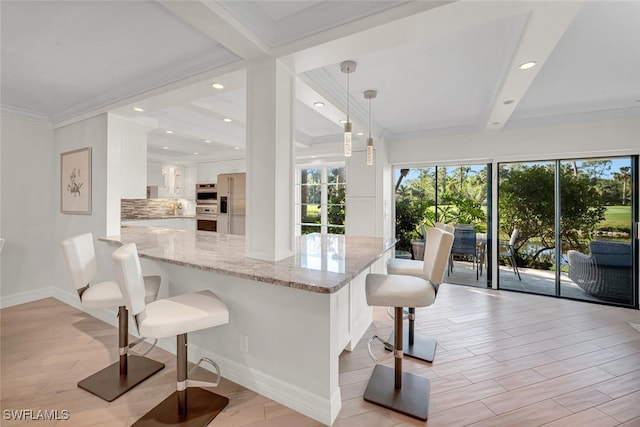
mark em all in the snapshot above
pixel 533 281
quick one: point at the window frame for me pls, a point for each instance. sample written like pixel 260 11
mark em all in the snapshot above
pixel 324 196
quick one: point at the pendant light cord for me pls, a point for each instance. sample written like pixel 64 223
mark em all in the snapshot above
pixel 369 117
pixel 348 72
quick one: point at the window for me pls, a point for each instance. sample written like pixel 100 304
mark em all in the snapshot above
pixel 320 199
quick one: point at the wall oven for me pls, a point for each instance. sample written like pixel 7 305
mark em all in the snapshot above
pixel 206 194
pixel 207 218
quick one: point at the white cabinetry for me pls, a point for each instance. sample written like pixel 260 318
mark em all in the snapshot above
pixel 173 183
pixel 208 172
pixel 132 141
pixel 190 180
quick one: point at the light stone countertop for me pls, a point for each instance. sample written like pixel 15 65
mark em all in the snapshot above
pixel 322 263
pixel 150 218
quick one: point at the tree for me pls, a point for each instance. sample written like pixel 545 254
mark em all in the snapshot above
pixel 527 202
pixel 336 199
pixel 624 175
pixel 596 169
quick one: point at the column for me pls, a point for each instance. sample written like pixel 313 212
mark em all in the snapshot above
pixel 270 161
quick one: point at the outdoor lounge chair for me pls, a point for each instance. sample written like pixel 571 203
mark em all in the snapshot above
pixel 606 273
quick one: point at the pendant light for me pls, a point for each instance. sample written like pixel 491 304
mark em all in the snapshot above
pixel 370 94
pixel 347 67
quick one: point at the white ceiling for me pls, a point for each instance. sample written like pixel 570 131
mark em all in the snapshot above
pixel 439 67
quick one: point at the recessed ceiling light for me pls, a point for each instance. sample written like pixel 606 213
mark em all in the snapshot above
pixel 318 104
pixel 360 133
pixel 217 85
pixel 508 101
pixel 236 148
pixel 527 65
pixel 343 121
pixel 196 153
pixel 226 120
pixel 138 109
pixel 207 141
pixel 168 131
pixel 165 148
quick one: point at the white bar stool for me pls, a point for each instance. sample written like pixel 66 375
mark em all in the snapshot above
pixel 189 405
pixel 409 394
pixel 116 379
pixel 421 347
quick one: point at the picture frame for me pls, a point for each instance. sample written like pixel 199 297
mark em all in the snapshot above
pixel 75 181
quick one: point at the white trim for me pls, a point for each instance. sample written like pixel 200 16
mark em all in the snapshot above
pixel 25 297
pixel 12 110
pixel 271 387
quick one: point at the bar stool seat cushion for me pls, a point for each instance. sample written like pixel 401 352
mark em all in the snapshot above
pixel 406 267
pixel 399 291
pixel 182 314
pixel 108 294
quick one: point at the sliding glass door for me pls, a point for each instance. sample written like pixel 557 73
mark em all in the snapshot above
pixel 457 195
pixel 589 206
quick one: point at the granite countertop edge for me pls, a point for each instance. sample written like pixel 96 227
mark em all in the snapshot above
pixel 334 280
pixel 158 217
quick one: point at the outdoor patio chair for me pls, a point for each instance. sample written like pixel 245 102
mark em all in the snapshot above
pixel 465 245
pixel 511 252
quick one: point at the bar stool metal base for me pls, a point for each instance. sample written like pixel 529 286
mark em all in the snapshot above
pixel 202 407
pixel 108 384
pixel 412 399
pixel 423 347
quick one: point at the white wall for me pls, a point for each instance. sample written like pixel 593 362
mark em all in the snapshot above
pixel 589 139
pixel 87 133
pixel 28 203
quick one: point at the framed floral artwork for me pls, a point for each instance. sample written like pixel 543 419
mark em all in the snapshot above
pixel 75 182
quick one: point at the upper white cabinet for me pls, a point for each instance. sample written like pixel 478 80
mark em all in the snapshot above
pixel 131 138
pixel 172 183
pixel 208 172
pixel 190 180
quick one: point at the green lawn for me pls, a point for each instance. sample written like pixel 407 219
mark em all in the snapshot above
pixel 617 218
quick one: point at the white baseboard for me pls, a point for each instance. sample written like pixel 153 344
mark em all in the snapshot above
pixel 300 400
pixel 25 297
pixel 67 297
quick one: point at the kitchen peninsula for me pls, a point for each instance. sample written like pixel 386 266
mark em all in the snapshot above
pixel 289 319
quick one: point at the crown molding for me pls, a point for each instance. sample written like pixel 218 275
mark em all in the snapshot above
pixel 12 110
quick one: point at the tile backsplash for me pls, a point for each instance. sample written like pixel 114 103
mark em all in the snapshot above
pixel 150 208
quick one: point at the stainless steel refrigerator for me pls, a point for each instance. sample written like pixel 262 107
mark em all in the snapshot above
pixel 231 203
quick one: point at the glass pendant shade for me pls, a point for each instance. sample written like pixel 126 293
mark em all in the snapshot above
pixel 347 139
pixel 369 151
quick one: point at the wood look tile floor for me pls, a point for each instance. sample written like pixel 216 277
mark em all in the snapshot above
pixel 503 359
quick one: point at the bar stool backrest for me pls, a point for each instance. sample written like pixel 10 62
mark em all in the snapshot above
pixel 80 257
pixel 436 254
pixel 129 276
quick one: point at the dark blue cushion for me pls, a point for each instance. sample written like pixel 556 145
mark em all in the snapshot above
pixel 608 252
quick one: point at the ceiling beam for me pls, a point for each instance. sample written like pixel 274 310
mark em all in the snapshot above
pixel 547 22
pixel 218 24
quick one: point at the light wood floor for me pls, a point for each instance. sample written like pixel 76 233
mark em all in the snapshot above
pixel 504 359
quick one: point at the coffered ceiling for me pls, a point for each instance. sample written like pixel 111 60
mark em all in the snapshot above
pixel 439 67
